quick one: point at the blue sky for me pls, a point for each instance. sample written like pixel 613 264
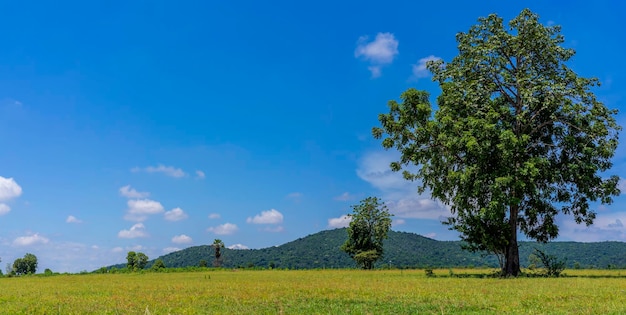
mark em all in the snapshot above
pixel 155 126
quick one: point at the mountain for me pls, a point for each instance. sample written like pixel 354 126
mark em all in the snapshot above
pixel 402 250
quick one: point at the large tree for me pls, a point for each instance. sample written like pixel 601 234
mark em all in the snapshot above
pixel 517 138
pixel 368 228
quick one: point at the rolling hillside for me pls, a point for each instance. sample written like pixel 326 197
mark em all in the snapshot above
pixel 404 250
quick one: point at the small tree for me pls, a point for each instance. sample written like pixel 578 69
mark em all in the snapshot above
pixel 26 265
pixel 203 263
pixel 554 266
pixel 136 261
pixel 217 246
pixel 368 228
pixel 158 265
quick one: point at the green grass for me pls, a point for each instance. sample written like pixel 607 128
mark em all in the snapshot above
pixel 314 292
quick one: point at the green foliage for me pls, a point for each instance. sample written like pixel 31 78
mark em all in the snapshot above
pixel 24 266
pixel 141 261
pixel 218 245
pixel 517 138
pixel 368 229
pixel 553 266
pixel 407 250
pixel 136 261
pixel 203 263
pixel 131 257
pixel 158 265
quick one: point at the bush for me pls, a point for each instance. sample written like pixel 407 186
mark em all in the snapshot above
pixel 554 266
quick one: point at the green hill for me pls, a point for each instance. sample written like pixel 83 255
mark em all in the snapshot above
pixel 403 250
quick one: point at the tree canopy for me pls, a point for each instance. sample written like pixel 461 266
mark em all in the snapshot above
pixel 517 138
pixel 368 229
pixel 136 260
pixel 26 265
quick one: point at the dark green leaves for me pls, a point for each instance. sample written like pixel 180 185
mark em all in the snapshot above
pixel 517 137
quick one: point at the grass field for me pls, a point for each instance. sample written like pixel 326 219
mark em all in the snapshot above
pixel 314 292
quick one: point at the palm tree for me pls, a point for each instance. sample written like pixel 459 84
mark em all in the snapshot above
pixel 217 246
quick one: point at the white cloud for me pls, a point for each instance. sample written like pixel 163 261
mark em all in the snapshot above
pixel 30 240
pixel 9 189
pixel 137 230
pixel 117 249
pixel 346 196
pixel 167 170
pixel 200 174
pixel 224 229
pixel 238 246
pixel 175 214
pixel 420 70
pixel 138 210
pixel 431 235
pixel 606 227
pixel 340 222
pixel 267 217
pixel 72 219
pixel 182 239
pixel 399 195
pixel 397 222
pixel 168 250
pixel 213 216
pixel 378 53
pixel 129 192
pixel 4 209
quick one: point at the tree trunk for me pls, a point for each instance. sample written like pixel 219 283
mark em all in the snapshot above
pixel 511 266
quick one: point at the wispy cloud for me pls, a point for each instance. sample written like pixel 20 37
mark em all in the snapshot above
pixel 214 216
pixel 274 229
pixel 295 196
pixel 30 240
pixel 267 217
pixel 175 214
pixel 4 209
pixel 379 52
pixel 340 222
pixel 139 210
pixel 167 170
pixel 622 186
pixel 224 229
pixel 137 230
pixel 346 196
pixel 399 195
pixel 73 219
pixel 130 192
pixel 420 70
pixel 200 174
pixel 608 226
pixel 182 239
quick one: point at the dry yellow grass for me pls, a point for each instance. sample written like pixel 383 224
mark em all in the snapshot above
pixel 312 292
